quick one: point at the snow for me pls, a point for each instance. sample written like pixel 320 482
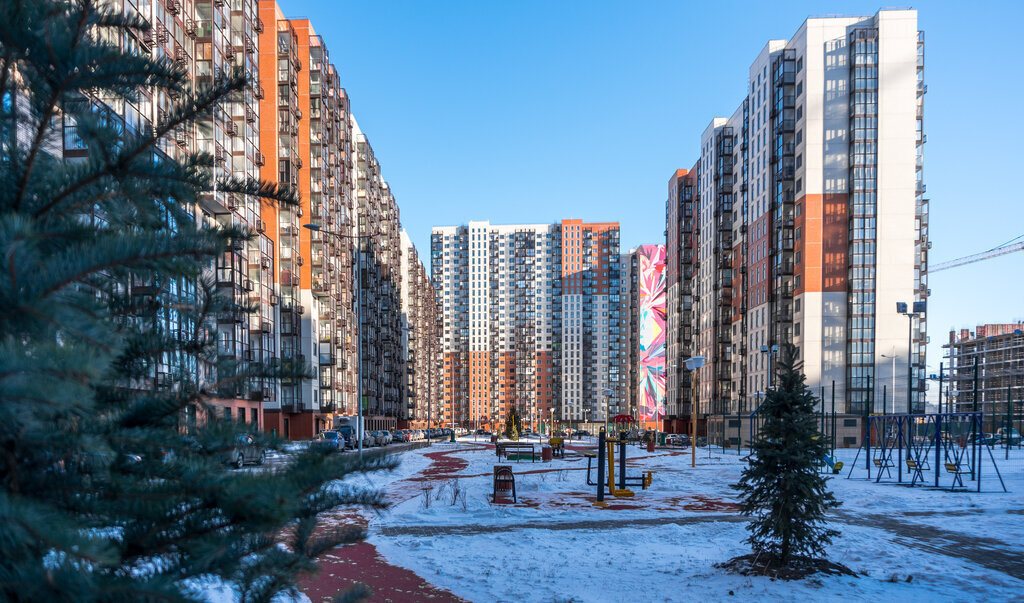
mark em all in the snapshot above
pixel 663 544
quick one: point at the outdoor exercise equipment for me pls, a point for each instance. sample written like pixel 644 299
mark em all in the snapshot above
pixel 606 452
pixel 926 443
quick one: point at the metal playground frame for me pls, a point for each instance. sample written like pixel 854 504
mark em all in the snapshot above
pixel 926 443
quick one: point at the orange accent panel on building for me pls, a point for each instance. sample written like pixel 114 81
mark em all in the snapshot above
pixel 822 244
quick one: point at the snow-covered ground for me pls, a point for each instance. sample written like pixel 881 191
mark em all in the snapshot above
pixel 663 543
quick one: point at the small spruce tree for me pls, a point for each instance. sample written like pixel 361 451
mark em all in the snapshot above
pixel 781 489
pixel 513 424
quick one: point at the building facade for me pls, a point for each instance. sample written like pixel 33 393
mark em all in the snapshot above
pixel 986 368
pixel 811 218
pixel 531 317
pixel 421 391
pixel 681 237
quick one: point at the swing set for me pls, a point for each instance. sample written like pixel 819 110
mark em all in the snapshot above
pixel 925 443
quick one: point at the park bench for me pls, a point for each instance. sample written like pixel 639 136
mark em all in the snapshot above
pixel 519 448
pixel 957 471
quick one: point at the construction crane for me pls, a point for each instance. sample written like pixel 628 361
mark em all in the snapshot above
pixel 984 255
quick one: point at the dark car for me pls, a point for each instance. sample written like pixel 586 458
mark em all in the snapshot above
pixel 331 438
pixel 246 451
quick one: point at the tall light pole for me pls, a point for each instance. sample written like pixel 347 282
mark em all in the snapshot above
pixel 918 309
pixel 893 358
pixel 359 323
pixel 693 365
pixel 771 351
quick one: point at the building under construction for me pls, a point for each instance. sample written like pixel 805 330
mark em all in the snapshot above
pixel 986 370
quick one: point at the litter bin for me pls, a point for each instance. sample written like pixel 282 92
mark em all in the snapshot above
pixel 650 445
pixel 494 439
pixel 545 453
pixel 452 438
pixel 661 438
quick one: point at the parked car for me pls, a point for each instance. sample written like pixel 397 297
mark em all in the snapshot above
pixel 246 451
pixel 1012 434
pixel 987 439
pixel 331 438
pixel 677 439
pixel 397 435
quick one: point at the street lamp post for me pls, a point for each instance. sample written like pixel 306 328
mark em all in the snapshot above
pixel 693 365
pixel 893 358
pixel 359 322
pixel 917 309
pixel 771 351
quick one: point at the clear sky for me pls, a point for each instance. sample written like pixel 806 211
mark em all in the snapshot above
pixel 532 111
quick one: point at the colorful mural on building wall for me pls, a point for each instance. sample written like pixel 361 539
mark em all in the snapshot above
pixel 651 325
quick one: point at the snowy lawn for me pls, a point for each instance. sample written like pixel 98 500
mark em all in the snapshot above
pixel 662 544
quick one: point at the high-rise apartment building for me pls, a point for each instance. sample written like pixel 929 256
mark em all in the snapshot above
pixel 680 271
pixel 811 218
pixel 311 142
pixel 531 319
pixel 421 383
pixel 291 125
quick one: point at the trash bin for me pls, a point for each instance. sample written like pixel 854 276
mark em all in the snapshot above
pixel 452 438
pixel 661 438
pixel 545 453
pixel 494 439
pixel 650 445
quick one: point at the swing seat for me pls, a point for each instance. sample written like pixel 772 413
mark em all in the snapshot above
pixel 958 472
pixel 883 463
pixel 915 466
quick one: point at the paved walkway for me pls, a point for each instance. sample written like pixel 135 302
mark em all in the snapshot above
pixel 346 565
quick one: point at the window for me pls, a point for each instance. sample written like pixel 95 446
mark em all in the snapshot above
pixel 799 87
pixel 849 423
pixel 799 64
pixel 850 441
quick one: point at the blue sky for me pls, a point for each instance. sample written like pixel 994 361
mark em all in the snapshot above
pixel 532 111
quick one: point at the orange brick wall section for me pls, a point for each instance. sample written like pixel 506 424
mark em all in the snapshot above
pixel 479 386
pixel 269 13
pixel 823 243
pixel 452 386
pixel 303 31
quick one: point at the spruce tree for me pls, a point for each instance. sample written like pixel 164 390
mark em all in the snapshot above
pixel 106 491
pixel 781 489
pixel 513 424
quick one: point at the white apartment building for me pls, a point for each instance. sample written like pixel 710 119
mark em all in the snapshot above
pixel 530 320
pixel 811 218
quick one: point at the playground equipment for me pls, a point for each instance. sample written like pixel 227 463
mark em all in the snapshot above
pixel 833 465
pixel 606 451
pixel 926 443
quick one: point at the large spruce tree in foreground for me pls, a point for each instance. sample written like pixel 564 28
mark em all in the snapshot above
pixel 781 489
pixel 103 494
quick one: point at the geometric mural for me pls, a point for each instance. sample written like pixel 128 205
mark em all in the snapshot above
pixel 651 324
